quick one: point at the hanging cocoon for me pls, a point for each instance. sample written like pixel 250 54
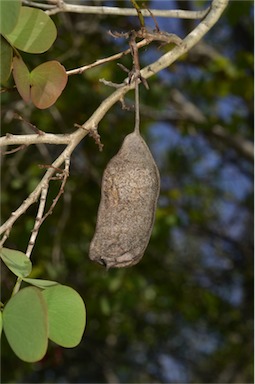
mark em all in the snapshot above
pixel 129 194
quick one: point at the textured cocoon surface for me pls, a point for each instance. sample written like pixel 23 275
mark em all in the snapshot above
pixel 129 194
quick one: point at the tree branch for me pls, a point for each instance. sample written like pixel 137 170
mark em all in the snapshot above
pixel 217 8
pixel 45 138
pixel 115 11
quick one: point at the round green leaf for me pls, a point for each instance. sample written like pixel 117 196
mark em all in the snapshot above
pixel 9 13
pixel 21 77
pixel 34 32
pixel 66 314
pixel 47 83
pixel 40 283
pixel 25 324
pixel 5 59
pixel 16 261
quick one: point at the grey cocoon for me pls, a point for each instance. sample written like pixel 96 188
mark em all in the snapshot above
pixel 129 194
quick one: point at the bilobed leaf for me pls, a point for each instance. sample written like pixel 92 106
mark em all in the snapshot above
pixel 34 32
pixel 66 314
pixel 40 283
pixel 9 14
pixel 5 59
pixel 16 261
pixel 25 324
pixel 43 85
pixel 21 77
pixel 47 83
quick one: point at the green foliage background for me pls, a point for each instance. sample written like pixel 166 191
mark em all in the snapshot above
pixel 184 313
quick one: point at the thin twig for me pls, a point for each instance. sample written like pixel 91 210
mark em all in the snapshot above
pixel 111 84
pixel 30 125
pixel 139 13
pixel 78 71
pixel 5 237
pixel 35 230
pixel 38 5
pixel 65 174
pixel 38 220
pixel 62 222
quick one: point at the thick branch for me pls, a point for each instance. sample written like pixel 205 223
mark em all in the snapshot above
pixel 217 8
pixel 45 138
pixel 115 11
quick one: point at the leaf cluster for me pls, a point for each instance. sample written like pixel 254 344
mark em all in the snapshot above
pixel 32 31
pixel 44 310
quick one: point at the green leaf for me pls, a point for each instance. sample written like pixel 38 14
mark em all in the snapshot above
pixel 21 77
pixel 6 52
pixel 47 83
pixel 25 324
pixel 16 261
pixel 40 283
pixel 9 13
pixel 67 316
pixel 34 32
